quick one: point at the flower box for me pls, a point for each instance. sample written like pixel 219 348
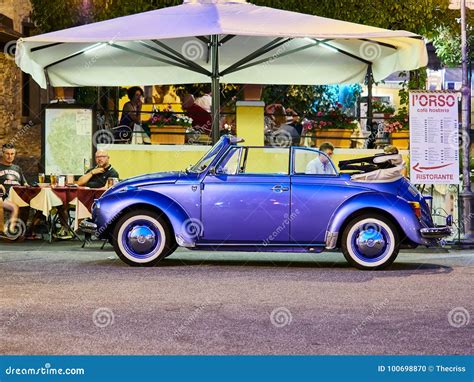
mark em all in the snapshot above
pixel 400 139
pixel 340 138
pixel 168 135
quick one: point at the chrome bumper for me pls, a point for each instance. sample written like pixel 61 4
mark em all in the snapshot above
pixel 88 227
pixel 435 232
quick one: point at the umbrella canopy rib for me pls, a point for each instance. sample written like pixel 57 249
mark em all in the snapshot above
pixel 384 44
pixel 272 58
pixel 71 56
pixel 276 43
pixel 137 52
pixel 348 54
pixel 227 38
pixel 178 57
pixel 37 48
pixel 205 40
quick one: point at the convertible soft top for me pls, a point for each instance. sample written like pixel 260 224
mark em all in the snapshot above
pixel 378 168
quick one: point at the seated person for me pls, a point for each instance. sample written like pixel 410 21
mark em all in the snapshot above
pixel 14 210
pixel 97 177
pixel 322 165
pixel 10 175
pixel 131 114
pixel 202 120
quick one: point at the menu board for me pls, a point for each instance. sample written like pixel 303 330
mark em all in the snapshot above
pixel 67 140
pixel 434 138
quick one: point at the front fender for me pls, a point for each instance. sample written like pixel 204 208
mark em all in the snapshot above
pixel 393 205
pixel 110 207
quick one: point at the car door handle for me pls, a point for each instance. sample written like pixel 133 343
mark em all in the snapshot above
pixel 279 188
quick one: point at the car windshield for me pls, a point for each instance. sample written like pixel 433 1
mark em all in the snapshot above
pixel 206 160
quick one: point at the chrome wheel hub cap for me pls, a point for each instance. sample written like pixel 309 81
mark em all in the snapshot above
pixel 371 242
pixel 141 239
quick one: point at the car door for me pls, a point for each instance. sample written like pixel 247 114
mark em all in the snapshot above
pixel 314 198
pixel 246 199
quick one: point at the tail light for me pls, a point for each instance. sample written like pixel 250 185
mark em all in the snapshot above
pixel 416 209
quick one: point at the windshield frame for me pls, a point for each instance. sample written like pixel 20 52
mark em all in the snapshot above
pixel 209 157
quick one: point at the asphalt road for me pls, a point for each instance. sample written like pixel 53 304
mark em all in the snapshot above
pixel 60 299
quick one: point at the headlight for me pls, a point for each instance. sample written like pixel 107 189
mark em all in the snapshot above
pixel 95 205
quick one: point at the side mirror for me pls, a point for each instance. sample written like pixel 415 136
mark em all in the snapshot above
pixel 212 171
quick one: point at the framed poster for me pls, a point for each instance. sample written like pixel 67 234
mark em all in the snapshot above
pixel 67 138
pixel 434 138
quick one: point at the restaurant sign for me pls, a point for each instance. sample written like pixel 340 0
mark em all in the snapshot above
pixel 456 4
pixel 434 138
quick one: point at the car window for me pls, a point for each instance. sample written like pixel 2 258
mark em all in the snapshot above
pixel 230 163
pixel 265 160
pixel 206 160
pixel 312 162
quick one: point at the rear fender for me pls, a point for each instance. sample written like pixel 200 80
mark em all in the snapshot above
pixel 397 208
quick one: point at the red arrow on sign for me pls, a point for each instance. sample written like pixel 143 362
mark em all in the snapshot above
pixel 420 169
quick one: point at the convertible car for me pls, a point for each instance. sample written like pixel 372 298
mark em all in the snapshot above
pixel 244 198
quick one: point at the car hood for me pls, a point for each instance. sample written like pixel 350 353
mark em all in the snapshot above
pixel 145 180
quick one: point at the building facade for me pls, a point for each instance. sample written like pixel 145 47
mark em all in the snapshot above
pixel 20 97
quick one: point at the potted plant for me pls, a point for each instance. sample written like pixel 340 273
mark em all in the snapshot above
pixel 331 125
pixel 382 109
pixel 167 127
pixel 398 128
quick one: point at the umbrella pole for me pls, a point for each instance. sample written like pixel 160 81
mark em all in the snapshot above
pixel 370 110
pixel 215 88
pixel 467 195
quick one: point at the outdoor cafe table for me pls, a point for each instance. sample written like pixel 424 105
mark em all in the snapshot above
pixel 44 199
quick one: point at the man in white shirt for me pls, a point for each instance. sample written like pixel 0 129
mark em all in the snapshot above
pixel 321 164
pixel 205 101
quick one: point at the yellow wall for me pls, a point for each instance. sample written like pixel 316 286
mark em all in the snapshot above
pixel 132 160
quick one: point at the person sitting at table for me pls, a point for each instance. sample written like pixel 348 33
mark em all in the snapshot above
pixel 202 120
pixel 10 175
pixel 131 114
pixel 97 177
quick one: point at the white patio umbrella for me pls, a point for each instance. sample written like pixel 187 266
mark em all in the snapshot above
pixel 218 41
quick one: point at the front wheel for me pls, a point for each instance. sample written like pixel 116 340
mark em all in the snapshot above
pixel 370 242
pixel 142 238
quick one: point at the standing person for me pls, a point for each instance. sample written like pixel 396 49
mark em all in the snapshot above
pixel 286 134
pixel 97 176
pixel 321 164
pixel 131 114
pixel 10 175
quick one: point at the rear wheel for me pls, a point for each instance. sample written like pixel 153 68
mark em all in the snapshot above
pixel 370 242
pixel 142 238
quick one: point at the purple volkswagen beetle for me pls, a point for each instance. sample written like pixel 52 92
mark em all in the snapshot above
pixel 244 198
